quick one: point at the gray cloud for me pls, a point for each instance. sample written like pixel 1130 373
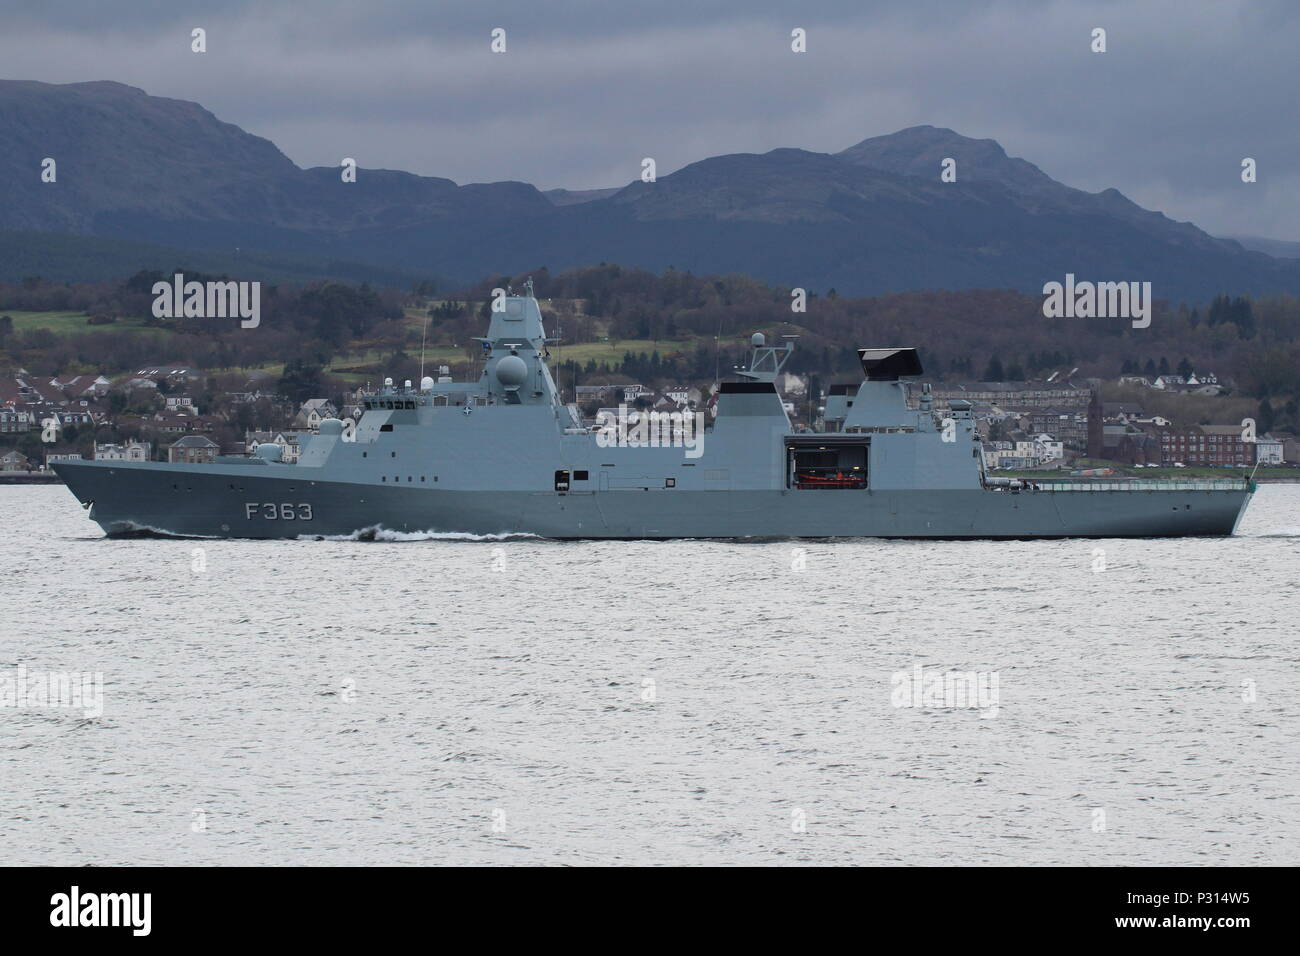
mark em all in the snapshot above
pixel 1185 91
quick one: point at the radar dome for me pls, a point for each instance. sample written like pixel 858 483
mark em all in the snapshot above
pixel 511 371
pixel 757 340
pixel 426 383
pixel 270 451
pixel 331 426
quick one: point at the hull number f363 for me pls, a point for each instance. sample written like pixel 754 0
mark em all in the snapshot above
pixel 272 511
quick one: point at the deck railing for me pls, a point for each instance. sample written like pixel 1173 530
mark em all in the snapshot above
pixel 1137 484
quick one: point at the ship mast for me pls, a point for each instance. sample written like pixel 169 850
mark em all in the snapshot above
pixel 767 361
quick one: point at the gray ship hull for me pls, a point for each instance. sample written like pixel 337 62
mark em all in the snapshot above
pixel 504 456
pixel 247 502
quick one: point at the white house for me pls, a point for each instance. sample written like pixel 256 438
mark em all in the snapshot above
pixel 790 384
pixel 14 461
pixel 684 395
pixel 995 450
pixel 1268 451
pixel 131 451
pixel 1048 449
pixel 1150 420
pixel 1039 451
pixel 288 440
pixel 83 386
pixel 313 412
pixel 1026 449
pixel 16 419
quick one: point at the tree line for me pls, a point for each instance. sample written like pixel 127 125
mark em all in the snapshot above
pixel 697 328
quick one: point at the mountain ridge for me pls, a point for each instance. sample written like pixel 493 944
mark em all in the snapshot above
pixel 870 218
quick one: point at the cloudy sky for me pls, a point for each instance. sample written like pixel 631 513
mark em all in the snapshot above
pixel 586 88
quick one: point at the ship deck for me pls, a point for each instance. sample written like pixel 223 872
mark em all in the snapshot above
pixel 1132 484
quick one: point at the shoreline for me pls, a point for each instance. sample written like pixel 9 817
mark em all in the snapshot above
pixel 29 478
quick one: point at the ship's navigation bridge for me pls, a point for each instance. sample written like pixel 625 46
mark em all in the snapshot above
pixel 394 403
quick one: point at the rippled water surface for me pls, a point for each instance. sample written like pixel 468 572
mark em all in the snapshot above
pixel 524 701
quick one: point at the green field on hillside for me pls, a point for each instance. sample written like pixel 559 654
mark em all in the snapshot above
pixel 74 323
pixel 612 352
pixel 605 352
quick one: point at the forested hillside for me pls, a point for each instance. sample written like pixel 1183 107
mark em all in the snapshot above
pixel 673 326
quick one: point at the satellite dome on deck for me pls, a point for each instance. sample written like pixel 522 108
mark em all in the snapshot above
pixel 512 371
pixel 426 383
pixel 331 426
pixel 270 451
pixel 757 340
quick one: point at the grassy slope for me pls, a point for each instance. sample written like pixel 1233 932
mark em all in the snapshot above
pixel 359 364
pixel 74 323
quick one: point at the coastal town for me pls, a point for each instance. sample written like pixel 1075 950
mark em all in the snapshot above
pixel 179 413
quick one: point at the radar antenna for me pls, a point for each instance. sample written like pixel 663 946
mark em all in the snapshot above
pixel 767 360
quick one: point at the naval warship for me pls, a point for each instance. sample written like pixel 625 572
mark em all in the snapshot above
pixel 504 455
